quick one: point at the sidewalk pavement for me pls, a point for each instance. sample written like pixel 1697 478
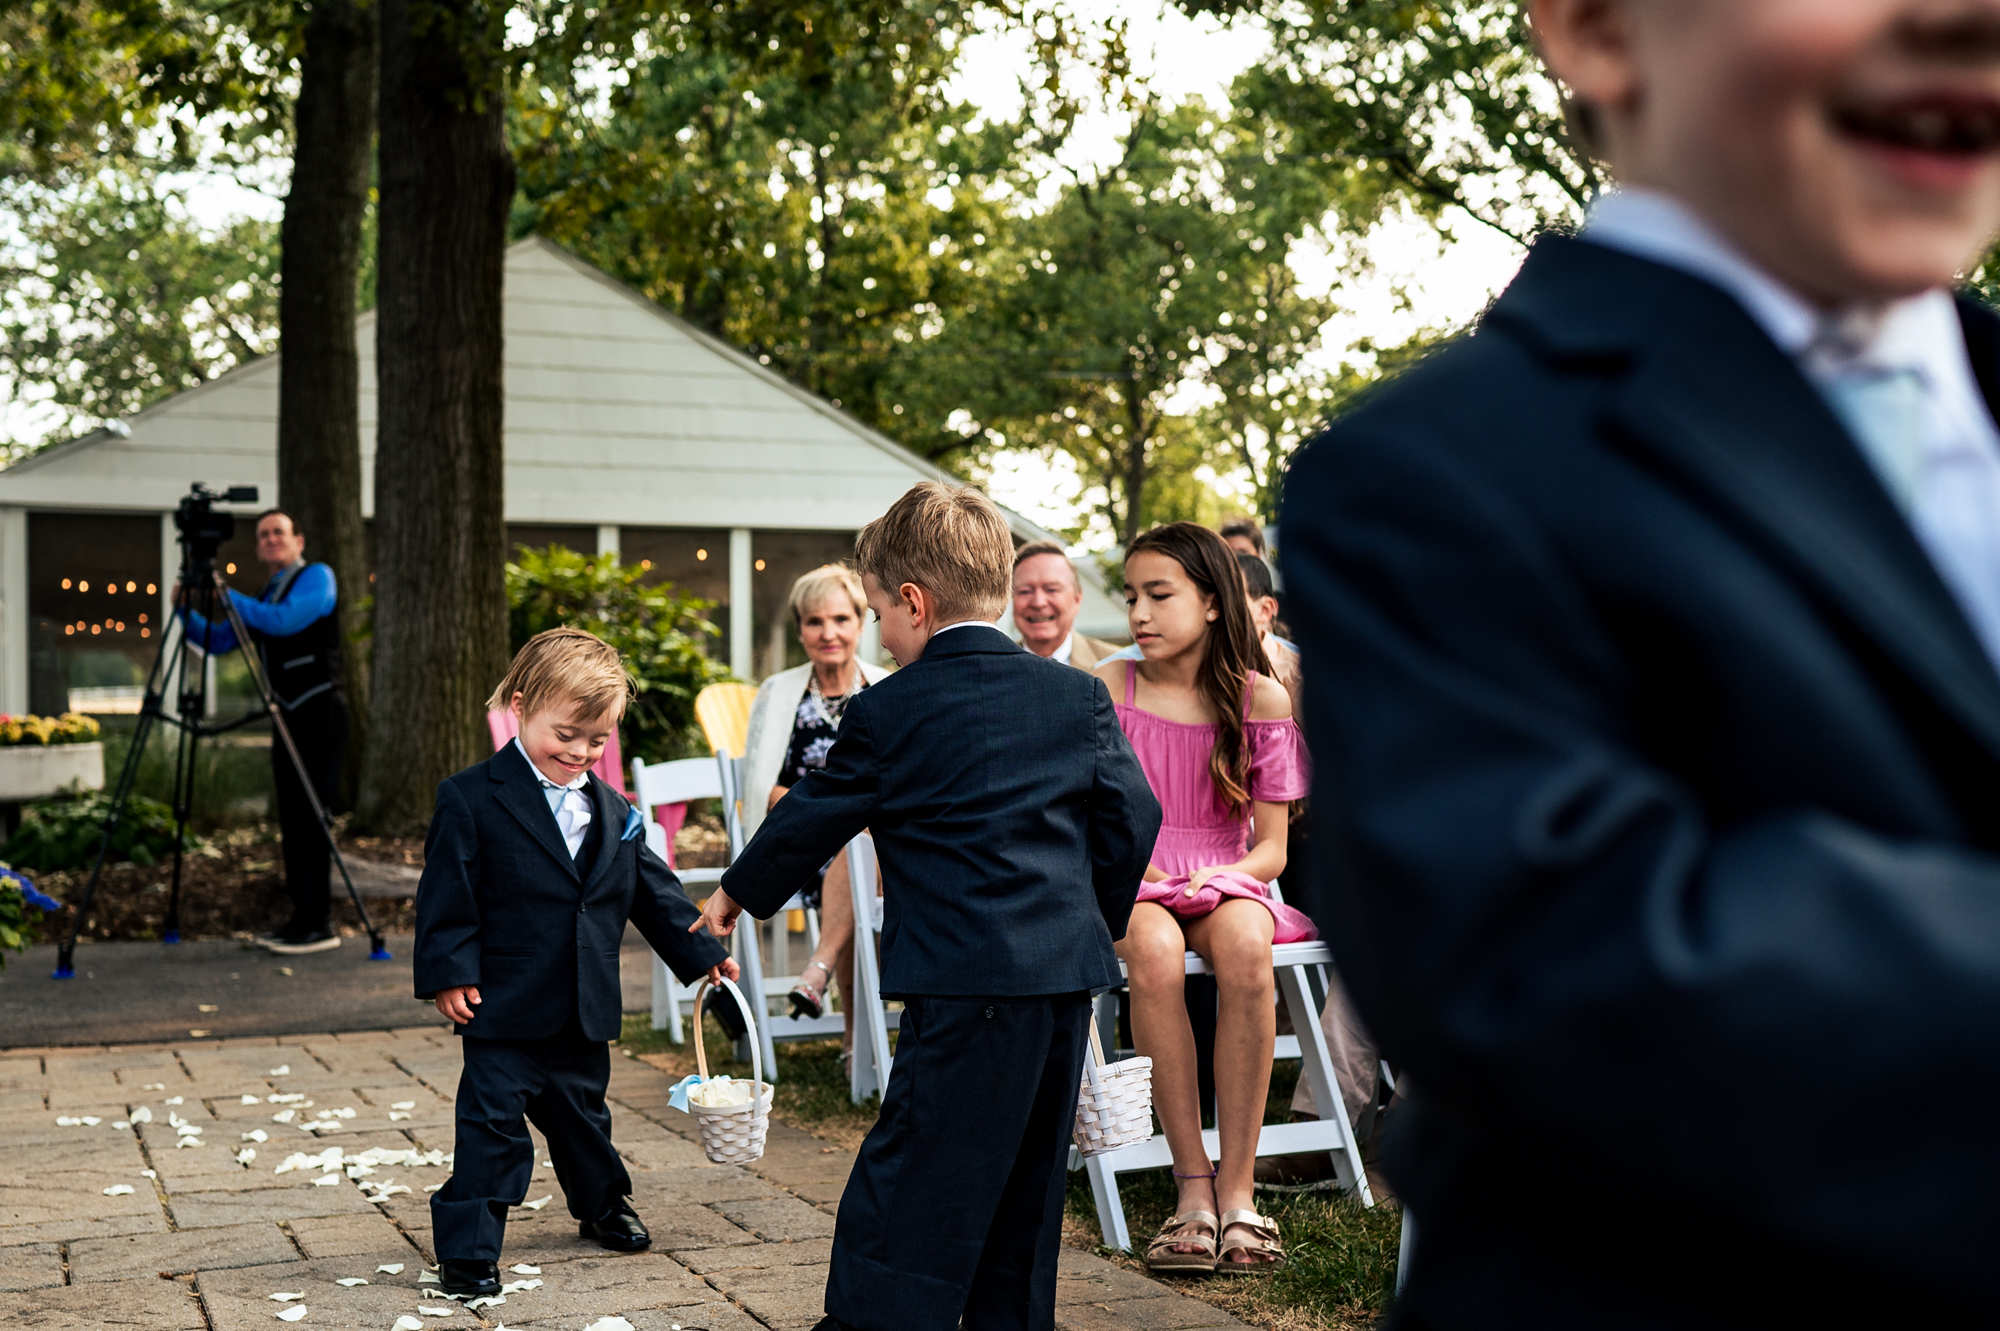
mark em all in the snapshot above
pixel 108 1218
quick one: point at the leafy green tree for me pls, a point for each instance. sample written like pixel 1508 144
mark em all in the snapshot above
pixel 1164 276
pixel 659 631
pixel 120 299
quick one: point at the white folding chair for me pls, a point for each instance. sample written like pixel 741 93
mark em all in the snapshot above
pixel 1303 972
pixel 654 784
pixel 868 1069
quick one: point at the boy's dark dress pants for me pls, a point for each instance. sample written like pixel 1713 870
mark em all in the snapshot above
pixel 954 1210
pixel 558 1084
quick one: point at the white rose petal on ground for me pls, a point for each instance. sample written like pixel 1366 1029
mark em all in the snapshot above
pixel 121 1125
pixel 538 1203
pixel 65 1121
pixel 174 1100
pixel 142 1115
pixel 89 1122
pixel 428 1278
pixel 256 1135
pixel 327 1181
pixel 120 1190
pixel 282 1070
pixel 432 1187
pixel 154 1086
pixel 296 1314
pixel 251 1100
pixel 289 1298
pixel 404 1104
pixel 246 1155
pixel 516 1286
pixel 147 1173
pixel 523 1269
pixel 284 1115
pixel 445 1311
pixel 397 1117
pixel 474 1305
pixel 610 1324
pixel 350 1281
pixel 408 1323
pixel 391 1268
pixel 186 1142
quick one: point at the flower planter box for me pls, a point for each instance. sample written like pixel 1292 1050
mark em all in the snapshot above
pixel 32 771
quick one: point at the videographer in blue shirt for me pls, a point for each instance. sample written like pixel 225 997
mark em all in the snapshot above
pixel 297 636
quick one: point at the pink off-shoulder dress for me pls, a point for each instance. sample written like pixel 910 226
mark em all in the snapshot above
pixel 1197 828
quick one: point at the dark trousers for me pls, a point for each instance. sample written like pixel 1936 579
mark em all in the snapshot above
pixel 319 728
pixel 954 1210
pixel 558 1084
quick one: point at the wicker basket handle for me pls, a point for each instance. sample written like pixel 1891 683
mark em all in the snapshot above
pixel 750 1020
pixel 1093 1059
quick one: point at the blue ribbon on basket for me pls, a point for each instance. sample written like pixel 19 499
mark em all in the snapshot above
pixel 677 1094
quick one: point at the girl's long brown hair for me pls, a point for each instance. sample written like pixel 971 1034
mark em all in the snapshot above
pixel 1231 652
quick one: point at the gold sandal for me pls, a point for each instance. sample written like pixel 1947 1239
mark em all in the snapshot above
pixel 1268 1252
pixel 1160 1254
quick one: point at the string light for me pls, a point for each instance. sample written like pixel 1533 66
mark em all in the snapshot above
pixel 699 554
pixel 151 589
pixel 230 569
pixel 65 584
pixel 112 590
pixel 145 633
pixel 69 629
pixel 645 563
pixel 760 566
pixel 131 586
pixel 95 630
pixel 83 586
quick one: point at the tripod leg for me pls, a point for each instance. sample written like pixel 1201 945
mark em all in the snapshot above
pixel 150 715
pixel 184 759
pixel 282 734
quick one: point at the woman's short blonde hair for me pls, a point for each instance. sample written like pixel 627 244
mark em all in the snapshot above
pixel 948 539
pixel 822 585
pixel 565 667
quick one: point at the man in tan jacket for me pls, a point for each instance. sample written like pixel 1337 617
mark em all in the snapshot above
pixel 1047 596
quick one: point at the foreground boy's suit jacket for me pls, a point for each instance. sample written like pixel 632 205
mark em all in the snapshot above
pixel 1665 773
pixel 503 905
pixel 1010 816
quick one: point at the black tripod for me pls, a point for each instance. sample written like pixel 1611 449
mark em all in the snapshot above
pixel 204 592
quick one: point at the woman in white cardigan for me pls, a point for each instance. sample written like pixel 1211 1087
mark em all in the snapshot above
pixel 792 725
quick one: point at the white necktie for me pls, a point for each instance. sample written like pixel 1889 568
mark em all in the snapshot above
pixel 572 816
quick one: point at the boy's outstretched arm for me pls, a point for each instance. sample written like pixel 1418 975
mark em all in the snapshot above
pixel 447 950
pixel 804 829
pixel 666 919
pixel 1124 819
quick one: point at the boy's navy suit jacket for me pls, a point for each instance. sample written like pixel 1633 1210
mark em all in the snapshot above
pixel 1665 775
pixel 501 905
pixel 1011 819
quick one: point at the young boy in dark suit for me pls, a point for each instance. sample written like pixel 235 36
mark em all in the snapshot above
pixel 1013 826
pixel 1650 639
pixel 532 867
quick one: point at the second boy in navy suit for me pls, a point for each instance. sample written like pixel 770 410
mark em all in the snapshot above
pixel 1013 826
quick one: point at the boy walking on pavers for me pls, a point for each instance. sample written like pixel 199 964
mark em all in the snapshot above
pixel 531 869
pixel 1013 826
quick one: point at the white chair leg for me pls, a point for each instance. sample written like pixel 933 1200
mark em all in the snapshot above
pixel 1110 1210
pixel 752 962
pixel 1293 982
pixel 1404 1247
pixel 871 1023
pixel 666 1000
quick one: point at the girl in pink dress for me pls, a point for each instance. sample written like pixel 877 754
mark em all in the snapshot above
pixel 1215 735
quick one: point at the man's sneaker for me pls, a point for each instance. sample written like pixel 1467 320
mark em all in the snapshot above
pixel 306 940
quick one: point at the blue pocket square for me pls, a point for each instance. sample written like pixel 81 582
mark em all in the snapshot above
pixel 635 826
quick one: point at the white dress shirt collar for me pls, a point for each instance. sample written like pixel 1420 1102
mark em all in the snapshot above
pixel 966 624
pixel 569 802
pixel 1061 655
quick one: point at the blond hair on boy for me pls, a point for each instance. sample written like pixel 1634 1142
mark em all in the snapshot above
pixel 565 667
pixel 950 540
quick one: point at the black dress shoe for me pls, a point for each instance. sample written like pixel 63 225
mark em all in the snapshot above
pixel 466 1278
pixel 621 1231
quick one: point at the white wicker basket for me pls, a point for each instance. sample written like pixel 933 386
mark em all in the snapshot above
pixel 1114 1107
pixel 732 1134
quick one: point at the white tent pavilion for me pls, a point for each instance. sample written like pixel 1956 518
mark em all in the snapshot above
pixel 627 430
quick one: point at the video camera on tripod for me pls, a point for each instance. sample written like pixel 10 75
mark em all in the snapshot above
pixel 201 590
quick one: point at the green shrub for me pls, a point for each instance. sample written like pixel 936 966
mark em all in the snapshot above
pixel 657 630
pixel 62 832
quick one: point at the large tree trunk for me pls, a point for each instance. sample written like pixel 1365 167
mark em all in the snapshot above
pixel 319 392
pixel 440 538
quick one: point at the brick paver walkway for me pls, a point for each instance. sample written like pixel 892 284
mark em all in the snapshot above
pixel 201 1241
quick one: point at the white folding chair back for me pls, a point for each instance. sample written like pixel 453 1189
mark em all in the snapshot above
pixel 655 784
pixel 1303 972
pixel 868 1069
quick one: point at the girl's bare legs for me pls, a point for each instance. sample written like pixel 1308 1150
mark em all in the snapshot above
pixel 1154 950
pixel 1236 940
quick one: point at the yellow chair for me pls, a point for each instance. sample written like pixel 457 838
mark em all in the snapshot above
pixel 724 713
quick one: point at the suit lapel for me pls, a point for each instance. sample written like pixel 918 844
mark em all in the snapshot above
pixel 609 810
pixel 520 793
pixel 1719 406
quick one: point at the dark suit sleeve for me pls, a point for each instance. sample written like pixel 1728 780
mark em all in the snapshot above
pixel 1124 817
pixel 662 913
pixel 812 822
pixel 1547 930
pixel 447 948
